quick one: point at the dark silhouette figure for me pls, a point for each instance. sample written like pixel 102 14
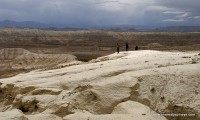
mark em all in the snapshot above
pixel 136 47
pixel 117 48
pixel 127 47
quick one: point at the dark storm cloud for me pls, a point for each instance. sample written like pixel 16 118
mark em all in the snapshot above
pixel 103 12
pixel 188 11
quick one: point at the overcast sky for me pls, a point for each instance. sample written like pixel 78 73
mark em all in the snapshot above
pixel 103 12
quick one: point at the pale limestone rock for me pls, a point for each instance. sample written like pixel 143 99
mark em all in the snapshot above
pixel 12 115
pixel 129 110
pixel 166 82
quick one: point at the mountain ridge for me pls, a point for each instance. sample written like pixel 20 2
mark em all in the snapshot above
pixel 130 28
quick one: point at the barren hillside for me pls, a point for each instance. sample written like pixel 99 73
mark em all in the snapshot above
pixel 87 41
pixel 17 60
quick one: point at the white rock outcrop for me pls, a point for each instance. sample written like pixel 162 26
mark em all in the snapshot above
pixel 12 115
pixel 110 87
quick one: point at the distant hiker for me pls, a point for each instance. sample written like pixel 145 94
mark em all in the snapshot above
pixel 136 47
pixel 127 47
pixel 117 48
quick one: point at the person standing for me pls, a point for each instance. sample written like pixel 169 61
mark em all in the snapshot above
pixel 127 47
pixel 117 48
pixel 136 47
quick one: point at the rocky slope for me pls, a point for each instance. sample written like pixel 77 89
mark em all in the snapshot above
pixel 121 86
pixel 18 60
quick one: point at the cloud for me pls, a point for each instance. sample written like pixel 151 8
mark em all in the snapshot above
pixel 196 17
pixel 183 15
pixel 173 12
pixel 173 20
pixel 102 12
pixel 104 2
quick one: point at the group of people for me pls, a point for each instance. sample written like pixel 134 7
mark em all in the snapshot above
pixel 127 47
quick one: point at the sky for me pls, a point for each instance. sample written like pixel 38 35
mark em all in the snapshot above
pixel 103 12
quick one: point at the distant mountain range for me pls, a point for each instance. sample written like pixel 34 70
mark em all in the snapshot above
pixel 38 25
pixel 24 24
pixel 179 29
pixel 136 28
